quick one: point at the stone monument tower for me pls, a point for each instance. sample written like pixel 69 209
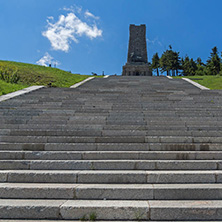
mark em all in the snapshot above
pixel 137 62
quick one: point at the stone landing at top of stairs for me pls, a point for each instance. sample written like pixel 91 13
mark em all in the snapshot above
pixel 114 149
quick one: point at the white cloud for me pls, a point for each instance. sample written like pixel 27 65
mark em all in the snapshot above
pixel 73 8
pixel 90 15
pixel 155 41
pixel 46 60
pixel 67 29
pixel 50 17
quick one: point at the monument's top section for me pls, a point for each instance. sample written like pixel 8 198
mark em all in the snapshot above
pixel 137 51
pixel 138 25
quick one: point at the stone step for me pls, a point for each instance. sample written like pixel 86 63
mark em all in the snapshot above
pixel 118 104
pixel 111 191
pixel 93 120
pixel 110 146
pixel 111 164
pixel 113 111
pixel 112 176
pixel 122 148
pixel 109 155
pixel 69 139
pixel 20 220
pixel 111 210
pixel 21 132
pixel 150 127
pixel 101 132
pixel 53 126
pixel 111 139
pixel 104 122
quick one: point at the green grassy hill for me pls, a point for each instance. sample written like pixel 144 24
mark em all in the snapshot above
pixel 35 75
pixel 211 82
pixel 6 88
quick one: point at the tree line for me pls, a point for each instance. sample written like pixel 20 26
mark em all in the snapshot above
pixel 171 64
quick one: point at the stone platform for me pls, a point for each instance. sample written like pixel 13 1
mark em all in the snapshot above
pixel 114 149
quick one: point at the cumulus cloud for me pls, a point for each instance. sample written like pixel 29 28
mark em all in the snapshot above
pixel 69 28
pixel 46 60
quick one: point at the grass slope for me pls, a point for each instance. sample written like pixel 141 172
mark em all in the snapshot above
pixel 6 88
pixel 211 82
pixel 37 75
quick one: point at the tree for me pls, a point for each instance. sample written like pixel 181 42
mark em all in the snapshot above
pixel 185 66
pixel 170 61
pixel 189 66
pixel 193 67
pixel 201 70
pixel 156 63
pixel 199 62
pixel 214 62
pixel 164 62
pixel 201 67
pixel 175 63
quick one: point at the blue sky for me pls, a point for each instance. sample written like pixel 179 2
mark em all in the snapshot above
pixel 85 36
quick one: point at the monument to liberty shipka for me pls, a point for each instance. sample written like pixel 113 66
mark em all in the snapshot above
pixel 137 62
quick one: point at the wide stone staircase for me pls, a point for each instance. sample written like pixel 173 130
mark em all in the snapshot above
pixel 121 148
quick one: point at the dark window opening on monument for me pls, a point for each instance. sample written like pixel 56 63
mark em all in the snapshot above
pixel 137 73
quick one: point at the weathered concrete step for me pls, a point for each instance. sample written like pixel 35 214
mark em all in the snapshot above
pixel 111 210
pixel 65 122
pixel 149 126
pixel 157 120
pixel 96 126
pixel 110 146
pixel 20 220
pixel 112 176
pixel 69 139
pixel 43 132
pixel 117 105
pixel 161 132
pixel 70 117
pixel 182 139
pixel 109 155
pixel 100 132
pixel 111 139
pixel 111 191
pixel 30 209
pixel 52 126
pixel 111 164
